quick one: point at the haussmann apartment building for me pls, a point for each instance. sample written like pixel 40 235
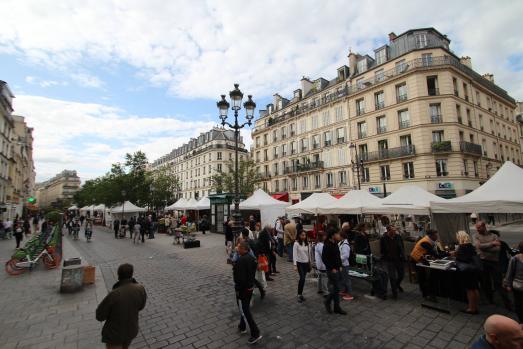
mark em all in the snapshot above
pixel 412 113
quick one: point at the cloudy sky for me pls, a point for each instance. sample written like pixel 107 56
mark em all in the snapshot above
pixel 99 78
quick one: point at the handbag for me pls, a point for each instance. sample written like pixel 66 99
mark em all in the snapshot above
pixel 263 263
pixel 474 266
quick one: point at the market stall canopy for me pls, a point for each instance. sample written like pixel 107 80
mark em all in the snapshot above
pixel 100 207
pixel 190 205
pixel 281 196
pixel 72 208
pixel 351 203
pixel 128 207
pixel 269 207
pixel 87 208
pixel 503 193
pixel 203 204
pixel 408 199
pixel 312 204
pixel 176 205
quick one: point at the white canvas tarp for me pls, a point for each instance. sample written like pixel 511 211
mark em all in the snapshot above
pixel 100 207
pixel 203 204
pixel 351 203
pixel 87 209
pixel 408 199
pixel 128 207
pixel 312 204
pixel 189 205
pixel 503 193
pixel 72 208
pixel 176 205
pixel 269 207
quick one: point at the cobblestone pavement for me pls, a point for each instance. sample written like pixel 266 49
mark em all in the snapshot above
pixel 33 314
pixel 191 304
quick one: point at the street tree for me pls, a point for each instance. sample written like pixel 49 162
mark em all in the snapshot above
pixel 248 178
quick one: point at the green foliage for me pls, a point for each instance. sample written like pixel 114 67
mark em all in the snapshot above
pixel 53 216
pixel 151 189
pixel 247 174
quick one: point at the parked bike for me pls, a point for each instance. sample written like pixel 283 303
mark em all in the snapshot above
pixel 16 266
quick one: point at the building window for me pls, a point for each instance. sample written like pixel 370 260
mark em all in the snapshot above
pixel 265 142
pixel 381 56
pixel 426 59
pixel 458 113
pixel 365 174
pixel 328 177
pixel 305 182
pixel 277 185
pixel 421 40
pixel 385 172
pixel 455 85
pixel 275 152
pixel 408 170
pixel 293 148
pixel 292 129
pixel 340 135
pixel 265 155
pixel 435 113
pixel 219 168
pixel 381 124
pixel 401 66
pixel 478 99
pixel 304 144
pixel 275 169
pixel 317 181
pixel 475 165
pixel 362 130
pixel 339 113
pixel 274 136
pixel 465 92
pixel 283 149
pixel 465 167
pixel 283 133
pixel 441 168
pixel 294 183
pixel 219 155
pixel 316 142
pixel 314 122
pixel 363 152
pixel 403 119
pixel 379 75
pixel 379 100
pixel 437 136
pixel 257 142
pixel 342 175
pixel 326 118
pixel 360 106
pixel 401 93
pixel 362 66
pixel 327 138
pixel 405 141
pixel 432 86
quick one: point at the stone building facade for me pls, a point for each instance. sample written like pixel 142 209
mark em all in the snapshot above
pixel 59 189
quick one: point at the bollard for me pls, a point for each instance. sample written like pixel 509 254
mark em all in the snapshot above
pixel 72 278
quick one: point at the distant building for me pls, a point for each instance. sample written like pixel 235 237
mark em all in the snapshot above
pixel 195 162
pixel 6 153
pixel 59 189
pixel 519 120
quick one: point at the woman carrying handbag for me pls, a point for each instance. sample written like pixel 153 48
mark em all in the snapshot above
pixel 514 281
pixel 302 261
pixel 469 266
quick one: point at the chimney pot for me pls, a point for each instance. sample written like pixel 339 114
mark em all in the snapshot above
pixel 392 36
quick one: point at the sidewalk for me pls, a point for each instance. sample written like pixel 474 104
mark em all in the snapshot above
pixel 33 314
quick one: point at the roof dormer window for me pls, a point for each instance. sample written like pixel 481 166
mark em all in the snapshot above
pixel 421 40
pixel 362 66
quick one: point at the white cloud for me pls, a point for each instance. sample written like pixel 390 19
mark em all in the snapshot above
pixel 90 137
pixel 87 80
pixel 202 47
pixel 33 80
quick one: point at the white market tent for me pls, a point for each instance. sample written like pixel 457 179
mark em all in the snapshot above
pixel 100 207
pixel 128 207
pixel 87 209
pixel 189 205
pixel 312 204
pixel 503 193
pixel 203 204
pixel 408 199
pixel 72 208
pixel 269 207
pixel 177 205
pixel 351 203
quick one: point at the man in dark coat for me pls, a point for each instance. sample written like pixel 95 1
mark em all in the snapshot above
pixel 332 260
pixel 393 256
pixel 116 227
pixel 119 309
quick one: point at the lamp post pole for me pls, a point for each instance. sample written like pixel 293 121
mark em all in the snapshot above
pixel 123 205
pixel 223 106
pixel 353 146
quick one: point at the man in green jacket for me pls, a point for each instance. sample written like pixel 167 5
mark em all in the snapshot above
pixel 120 308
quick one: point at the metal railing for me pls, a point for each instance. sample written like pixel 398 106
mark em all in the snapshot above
pixel 433 91
pixel 401 98
pixel 441 147
pixel 436 119
pixel 381 129
pixel 392 153
pixel 470 148
pixel 417 63
pixel 404 124
pixel 362 135
pixel 380 105
pixel 311 166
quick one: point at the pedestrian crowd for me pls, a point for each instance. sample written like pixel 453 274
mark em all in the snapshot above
pixel 20 227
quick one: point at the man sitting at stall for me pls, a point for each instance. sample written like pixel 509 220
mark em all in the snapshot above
pixel 426 247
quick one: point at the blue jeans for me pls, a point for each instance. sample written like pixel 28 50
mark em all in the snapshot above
pixel 289 252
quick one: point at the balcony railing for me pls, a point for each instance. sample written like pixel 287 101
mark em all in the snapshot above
pixel 433 91
pixel 311 166
pixel 404 124
pixel 381 129
pixel 441 147
pixel 380 105
pixel 414 64
pixel 470 148
pixel 436 119
pixel 315 145
pixel 360 111
pixel 392 153
pixel 401 98
pixel 362 134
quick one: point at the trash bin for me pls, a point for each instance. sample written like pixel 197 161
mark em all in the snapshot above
pixel 72 278
pixel 89 274
pixel 72 261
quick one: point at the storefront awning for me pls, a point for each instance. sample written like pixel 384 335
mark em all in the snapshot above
pixel 338 196
pixel 281 196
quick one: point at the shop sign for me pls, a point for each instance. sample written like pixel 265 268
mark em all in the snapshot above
pixel 374 190
pixel 445 185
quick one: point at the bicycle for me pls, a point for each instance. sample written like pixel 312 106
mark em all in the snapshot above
pixel 76 231
pixel 17 266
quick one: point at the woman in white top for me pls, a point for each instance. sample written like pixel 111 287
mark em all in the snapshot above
pixel 320 266
pixel 301 259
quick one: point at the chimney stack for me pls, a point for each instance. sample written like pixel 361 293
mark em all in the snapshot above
pixel 489 77
pixel 392 36
pixel 306 85
pixel 353 61
pixel 466 60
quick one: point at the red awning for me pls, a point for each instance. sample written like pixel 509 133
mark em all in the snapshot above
pixel 281 196
pixel 337 196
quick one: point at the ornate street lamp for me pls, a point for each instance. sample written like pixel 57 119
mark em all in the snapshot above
pixel 357 163
pixel 236 97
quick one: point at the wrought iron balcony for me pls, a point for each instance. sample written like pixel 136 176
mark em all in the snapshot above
pixel 380 105
pixel 433 91
pixel 311 166
pixel 441 147
pixel 392 153
pixel 381 129
pixel 362 134
pixel 401 98
pixel 470 148
pixel 436 119
pixel 404 124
